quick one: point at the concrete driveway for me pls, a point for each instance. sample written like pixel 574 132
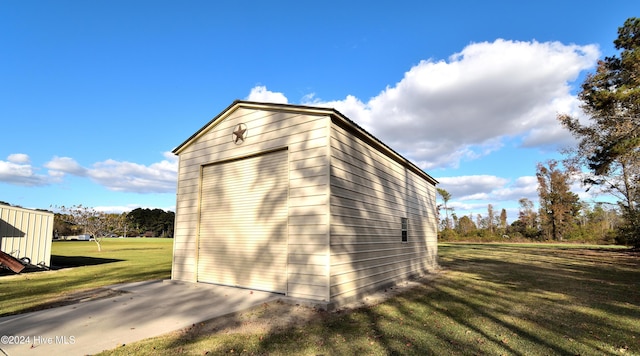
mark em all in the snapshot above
pixel 144 310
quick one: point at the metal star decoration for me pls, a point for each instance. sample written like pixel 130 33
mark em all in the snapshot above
pixel 240 133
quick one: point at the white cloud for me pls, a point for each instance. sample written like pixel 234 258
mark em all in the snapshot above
pixel 18 170
pixel 523 187
pixel 462 108
pixel 471 187
pixel 443 112
pixel 19 158
pixel 472 194
pixel 120 176
pixel 260 93
pixel 61 165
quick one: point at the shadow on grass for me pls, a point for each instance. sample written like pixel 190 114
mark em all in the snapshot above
pixel 489 300
pixel 515 301
pixel 60 262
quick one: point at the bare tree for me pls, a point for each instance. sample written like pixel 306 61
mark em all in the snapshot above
pixel 503 220
pixel 490 218
pixel 527 214
pixel 95 223
pixel 445 198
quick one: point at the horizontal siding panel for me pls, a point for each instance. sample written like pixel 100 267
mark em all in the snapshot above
pixel 346 188
pixel 245 247
pixel 308 247
pixel 310 162
pixel 351 213
pixel 252 146
pixel 311 270
pixel 184 245
pixel 365 261
pixel 391 268
pixel 349 234
pixel 356 154
pixel 353 251
pixel 209 228
pixel 183 275
pixel 311 181
pixel 265 128
pixel 310 143
pixel 184 257
pixel 348 208
pixel 366 221
pixel 343 144
pixel 307 291
pixel 370 192
pixel 349 198
pixel 307 210
pixel 302 173
pixel 185 230
pixel 311 233
pixel 240 264
pixel 318 280
pixel 309 220
pixel 186 219
pixel 186 203
pixel 310 240
pixel 311 259
pixel 299 154
pixel 303 192
pixel 306 296
pixel 344 264
pixel 308 201
pixel 350 284
pixel 366 176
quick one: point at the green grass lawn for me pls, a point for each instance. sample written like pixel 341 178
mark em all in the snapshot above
pixel 120 261
pixel 490 299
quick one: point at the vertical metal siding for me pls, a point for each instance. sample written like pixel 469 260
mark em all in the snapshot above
pixel 26 233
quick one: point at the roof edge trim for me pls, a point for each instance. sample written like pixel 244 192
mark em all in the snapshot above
pixel 316 110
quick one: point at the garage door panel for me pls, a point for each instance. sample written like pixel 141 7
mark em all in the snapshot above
pixel 243 250
pixel 243 223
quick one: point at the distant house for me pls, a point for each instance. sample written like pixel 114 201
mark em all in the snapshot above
pixel 26 234
pixel 301 201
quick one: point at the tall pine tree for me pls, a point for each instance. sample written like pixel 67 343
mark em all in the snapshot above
pixel 609 144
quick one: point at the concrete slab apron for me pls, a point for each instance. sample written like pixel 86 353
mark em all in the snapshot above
pixel 146 310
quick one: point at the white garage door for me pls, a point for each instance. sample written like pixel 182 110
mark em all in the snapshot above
pixel 243 223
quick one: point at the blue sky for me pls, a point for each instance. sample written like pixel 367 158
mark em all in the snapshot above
pixel 94 95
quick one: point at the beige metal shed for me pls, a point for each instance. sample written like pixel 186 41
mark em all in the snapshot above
pixel 302 201
pixel 26 233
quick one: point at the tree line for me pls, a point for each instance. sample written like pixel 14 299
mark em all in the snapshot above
pixel 607 157
pixel 75 220
pixel 558 218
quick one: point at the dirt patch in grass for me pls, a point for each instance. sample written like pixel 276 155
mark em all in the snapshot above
pixel 77 297
pixel 283 315
pixel 268 317
pixel 489 300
